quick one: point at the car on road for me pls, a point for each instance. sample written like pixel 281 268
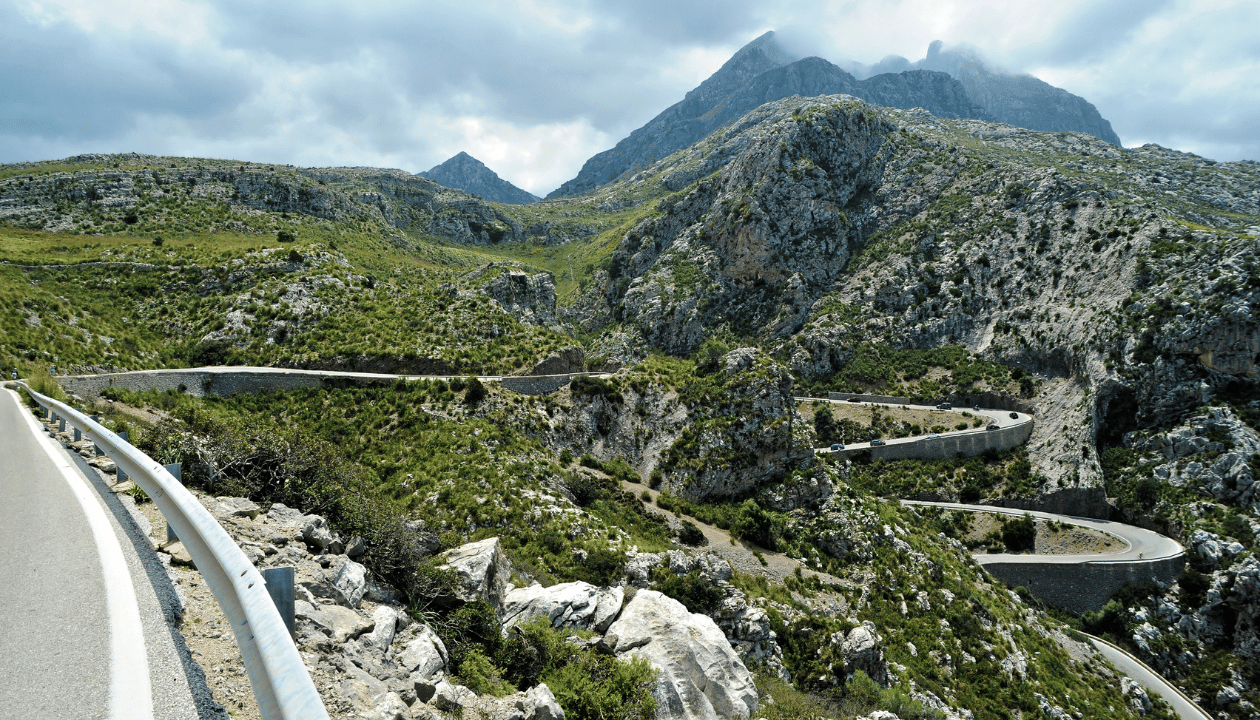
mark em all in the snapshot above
pixel 836 446
pixel 877 441
pixel 1014 416
pixel 934 435
pixel 994 426
pixel 855 399
pixel 945 406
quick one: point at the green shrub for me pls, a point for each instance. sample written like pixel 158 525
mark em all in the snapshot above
pixel 592 387
pixel 602 567
pixel 699 595
pixel 758 525
pixel 476 391
pixel 691 535
pixel 599 687
pixel 1020 534
pixel 589 686
pixel 478 674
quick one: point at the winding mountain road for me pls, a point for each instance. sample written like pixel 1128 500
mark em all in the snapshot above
pixel 1001 418
pixel 1141 546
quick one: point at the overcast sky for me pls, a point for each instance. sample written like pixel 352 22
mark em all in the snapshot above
pixel 533 88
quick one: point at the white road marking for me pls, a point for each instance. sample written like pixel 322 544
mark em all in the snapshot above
pixel 130 695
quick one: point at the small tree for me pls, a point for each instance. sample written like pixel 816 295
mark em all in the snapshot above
pixel 285 236
pixel 476 391
pixel 1021 534
pixel 710 354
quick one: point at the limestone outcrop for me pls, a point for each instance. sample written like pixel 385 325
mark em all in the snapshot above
pixel 701 678
pixel 483 570
pixel 575 604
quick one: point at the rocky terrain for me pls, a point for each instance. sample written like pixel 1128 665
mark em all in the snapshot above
pixel 1197 477
pixel 947 83
pixel 1012 98
pixel 823 224
pixel 810 245
pixel 467 173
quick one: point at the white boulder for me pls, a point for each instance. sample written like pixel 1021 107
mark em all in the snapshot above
pixel 574 604
pixel 425 655
pixel 349 581
pixel 700 677
pixel 483 571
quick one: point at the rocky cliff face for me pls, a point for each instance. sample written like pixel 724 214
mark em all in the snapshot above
pixel 1015 99
pixel 823 223
pixel 149 192
pixel 759 73
pixel 467 173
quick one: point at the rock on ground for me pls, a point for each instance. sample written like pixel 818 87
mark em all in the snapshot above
pixel 700 676
pixel 574 604
pixel 483 571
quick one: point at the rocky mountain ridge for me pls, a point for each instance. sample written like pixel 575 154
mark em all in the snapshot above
pixel 1013 98
pixel 760 72
pixel 822 223
pixel 467 173
pixel 947 83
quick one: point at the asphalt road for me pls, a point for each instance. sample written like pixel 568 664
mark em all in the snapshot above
pixel 83 632
pixel 1150 680
pixel 1141 544
pixel 1001 418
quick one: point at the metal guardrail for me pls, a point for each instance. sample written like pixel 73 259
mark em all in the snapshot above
pixel 281 683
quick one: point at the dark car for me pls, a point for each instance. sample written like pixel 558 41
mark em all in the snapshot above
pixel 877 441
pixel 945 406
pixel 1014 416
pixel 855 399
pixel 836 446
pixel 995 427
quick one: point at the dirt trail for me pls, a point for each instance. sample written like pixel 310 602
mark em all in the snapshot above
pixel 738 553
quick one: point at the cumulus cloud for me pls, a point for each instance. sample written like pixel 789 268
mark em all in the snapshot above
pixel 534 87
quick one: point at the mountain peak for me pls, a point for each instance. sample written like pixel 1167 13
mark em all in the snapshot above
pixel 467 173
pixel 764 53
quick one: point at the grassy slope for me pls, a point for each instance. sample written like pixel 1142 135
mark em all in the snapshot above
pixel 425 452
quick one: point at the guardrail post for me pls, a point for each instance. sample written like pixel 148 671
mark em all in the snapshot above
pixel 122 474
pixel 177 471
pixel 61 424
pixel 279 583
pixel 78 435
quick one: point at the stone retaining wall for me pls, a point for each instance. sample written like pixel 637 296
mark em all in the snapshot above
pixel 199 383
pixel 1084 587
pixel 965 444
pixel 535 385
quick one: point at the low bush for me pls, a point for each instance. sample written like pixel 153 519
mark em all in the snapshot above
pixel 699 595
pixel 1020 535
pixel 691 535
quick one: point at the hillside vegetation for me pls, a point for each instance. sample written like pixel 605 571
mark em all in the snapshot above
pixel 813 245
